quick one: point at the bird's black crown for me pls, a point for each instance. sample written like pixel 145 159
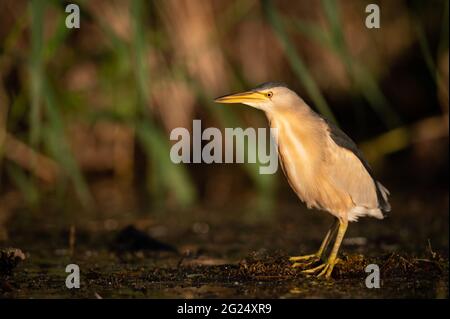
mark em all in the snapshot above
pixel 270 85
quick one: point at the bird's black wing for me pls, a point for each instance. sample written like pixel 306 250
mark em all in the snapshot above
pixel 342 139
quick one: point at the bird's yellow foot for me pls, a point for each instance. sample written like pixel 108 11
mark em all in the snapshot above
pixel 322 270
pixel 305 257
pixel 304 261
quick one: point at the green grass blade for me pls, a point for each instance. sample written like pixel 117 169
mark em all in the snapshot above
pixel 58 146
pixel 36 8
pixel 298 66
pixel 363 79
pixel 172 177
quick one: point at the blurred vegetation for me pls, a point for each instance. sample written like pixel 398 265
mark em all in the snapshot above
pixel 79 107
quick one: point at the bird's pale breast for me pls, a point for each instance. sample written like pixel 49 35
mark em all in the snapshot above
pixel 304 151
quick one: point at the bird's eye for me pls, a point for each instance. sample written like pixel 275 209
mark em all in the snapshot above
pixel 269 94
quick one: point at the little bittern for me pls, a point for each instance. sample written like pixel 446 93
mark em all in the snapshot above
pixel 322 164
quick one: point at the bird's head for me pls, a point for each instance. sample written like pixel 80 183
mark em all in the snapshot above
pixel 268 97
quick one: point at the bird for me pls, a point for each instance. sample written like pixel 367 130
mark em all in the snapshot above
pixel 323 166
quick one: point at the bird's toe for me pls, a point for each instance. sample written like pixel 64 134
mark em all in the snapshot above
pixel 324 270
pixel 302 264
pixel 314 270
pixel 303 258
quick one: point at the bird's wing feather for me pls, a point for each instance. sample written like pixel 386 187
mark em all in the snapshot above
pixel 341 139
pixel 348 174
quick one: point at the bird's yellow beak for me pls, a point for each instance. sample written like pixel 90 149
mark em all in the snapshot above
pixel 244 97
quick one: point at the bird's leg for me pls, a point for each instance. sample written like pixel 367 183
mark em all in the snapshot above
pixel 330 234
pixel 327 268
pixel 304 261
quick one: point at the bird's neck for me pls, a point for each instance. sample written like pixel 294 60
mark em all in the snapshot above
pixel 302 119
pixel 298 129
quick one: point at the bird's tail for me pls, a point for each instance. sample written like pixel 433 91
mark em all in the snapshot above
pixel 382 194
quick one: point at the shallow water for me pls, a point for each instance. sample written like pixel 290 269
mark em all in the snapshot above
pixel 220 254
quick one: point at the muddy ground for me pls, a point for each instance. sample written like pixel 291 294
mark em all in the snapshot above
pixel 231 253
